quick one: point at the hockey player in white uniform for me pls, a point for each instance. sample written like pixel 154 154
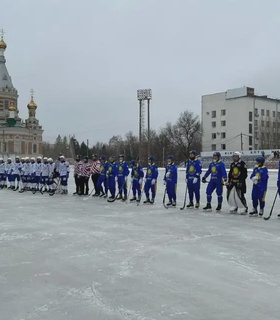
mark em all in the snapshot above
pixel 64 174
pixel 3 174
pixel 32 174
pixel 9 174
pixel 51 175
pixel 45 173
pixel 38 173
pixel 25 178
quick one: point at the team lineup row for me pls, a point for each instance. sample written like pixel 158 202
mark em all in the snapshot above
pixel 30 174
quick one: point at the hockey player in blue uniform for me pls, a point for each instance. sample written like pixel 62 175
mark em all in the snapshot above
pixel 102 180
pixel 151 180
pixel 137 175
pixel 259 177
pixel 122 175
pixel 170 180
pixel 193 172
pixel 218 176
pixel 111 175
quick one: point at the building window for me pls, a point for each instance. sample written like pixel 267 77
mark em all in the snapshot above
pixel 6 104
pixel 34 148
pixel 274 124
pixel 250 140
pixel 267 124
pixel 256 112
pixel 273 114
pixel 213 114
pixel 223 123
pixel 278 114
pixel 223 135
pixel 262 112
pixel 267 113
pixel 250 116
pixel 223 146
pixel 223 112
pixel 213 147
pixel 250 128
pixel 262 123
pixel 256 123
pixel 213 124
pixel 214 136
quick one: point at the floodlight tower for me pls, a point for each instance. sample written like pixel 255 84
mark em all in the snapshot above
pixel 142 96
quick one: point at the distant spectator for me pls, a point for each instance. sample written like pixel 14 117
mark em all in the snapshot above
pixel 275 154
pixel 263 154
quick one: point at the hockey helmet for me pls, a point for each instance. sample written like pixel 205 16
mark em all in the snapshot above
pixel 50 160
pixel 102 157
pixel 170 157
pixel 237 154
pixel 45 159
pixel 217 154
pixel 151 158
pixel 111 158
pixel 1 159
pixel 133 163
pixel 193 152
pixel 260 160
pixel 94 155
pixel 17 157
pixel 39 158
pixel 9 160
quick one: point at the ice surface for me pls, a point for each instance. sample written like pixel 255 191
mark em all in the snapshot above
pixel 70 257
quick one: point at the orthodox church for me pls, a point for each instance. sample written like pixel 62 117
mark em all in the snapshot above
pixel 18 137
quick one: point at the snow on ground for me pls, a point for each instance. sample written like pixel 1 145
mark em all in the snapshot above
pixel 70 257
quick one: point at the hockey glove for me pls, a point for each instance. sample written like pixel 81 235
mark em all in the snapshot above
pixel 195 180
pixel 203 180
pixel 153 182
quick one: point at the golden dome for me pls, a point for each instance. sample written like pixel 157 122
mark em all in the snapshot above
pixel 12 107
pixel 32 105
pixel 3 44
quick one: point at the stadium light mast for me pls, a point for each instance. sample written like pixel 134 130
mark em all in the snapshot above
pixel 142 96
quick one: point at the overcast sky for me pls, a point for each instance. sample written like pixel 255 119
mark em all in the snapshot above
pixel 86 59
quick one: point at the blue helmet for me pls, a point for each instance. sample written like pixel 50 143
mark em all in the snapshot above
pixel 102 157
pixel 193 152
pixel 260 160
pixel 217 154
pixel 170 158
pixel 151 158
pixel 133 163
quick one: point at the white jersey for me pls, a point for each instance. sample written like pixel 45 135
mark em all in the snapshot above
pixel 31 168
pixel 16 167
pixel 45 169
pixel 9 168
pixel 26 169
pixel 2 168
pixel 38 168
pixel 63 168
pixel 52 166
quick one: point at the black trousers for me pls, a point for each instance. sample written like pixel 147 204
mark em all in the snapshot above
pixel 77 183
pixel 95 177
pixel 84 185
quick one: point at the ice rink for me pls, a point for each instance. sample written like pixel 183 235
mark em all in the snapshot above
pixel 81 258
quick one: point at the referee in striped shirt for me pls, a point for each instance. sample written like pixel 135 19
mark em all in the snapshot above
pixel 95 169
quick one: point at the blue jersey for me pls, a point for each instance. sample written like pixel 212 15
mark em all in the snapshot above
pixel 112 170
pixel 152 172
pixel 193 169
pixel 217 170
pixel 279 171
pixel 122 169
pixel 103 168
pixel 262 174
pixel 171 173
pixel 137 172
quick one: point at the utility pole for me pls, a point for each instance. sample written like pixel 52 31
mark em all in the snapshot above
pixel 241 138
